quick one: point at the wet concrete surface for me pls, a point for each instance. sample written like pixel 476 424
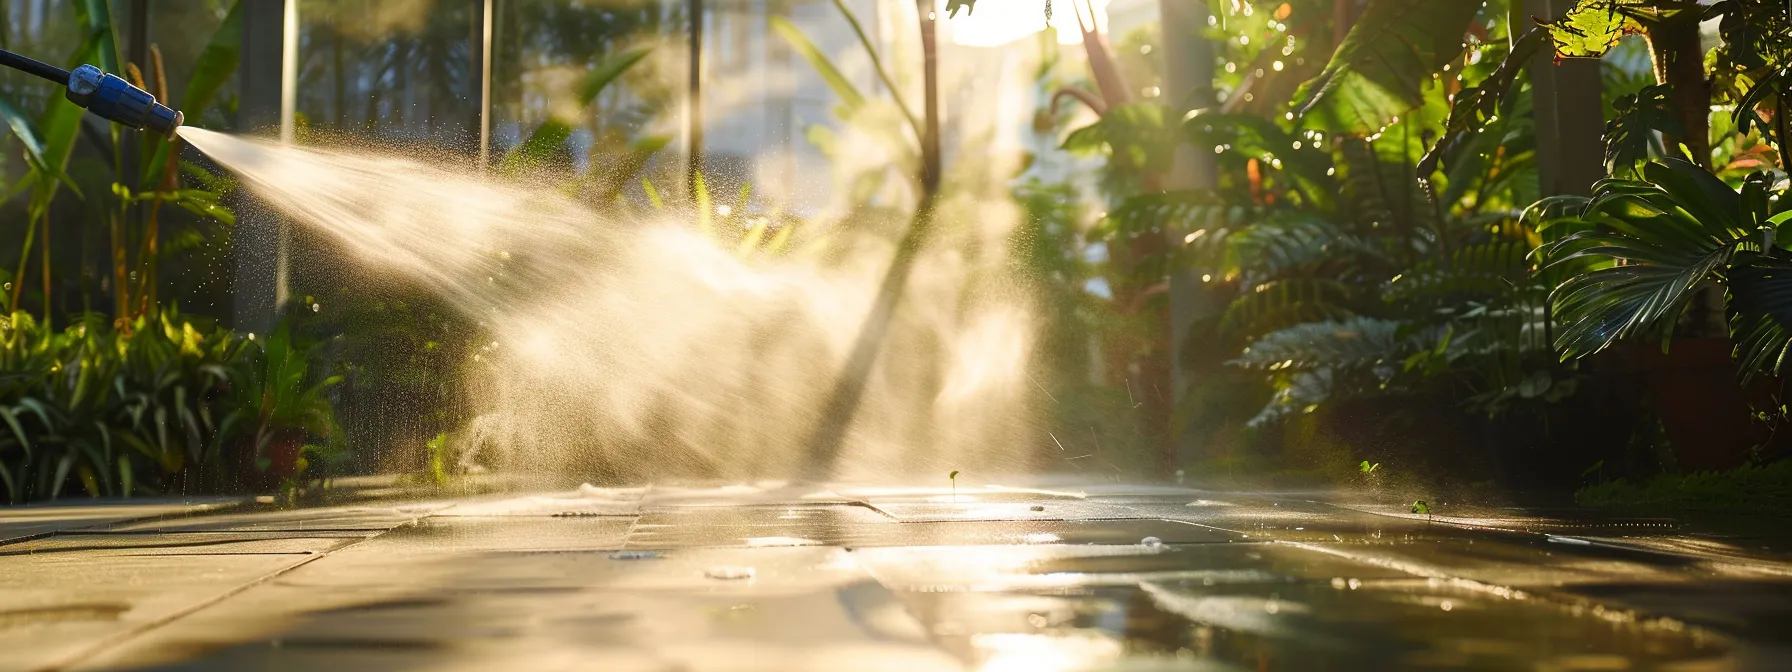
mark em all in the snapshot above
pixel 786 578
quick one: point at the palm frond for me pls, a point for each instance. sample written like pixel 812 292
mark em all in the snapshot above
pixel 1760 311
pixel 1280 304
pixel 1487 271
pixel 1359 341
pixel 1650 244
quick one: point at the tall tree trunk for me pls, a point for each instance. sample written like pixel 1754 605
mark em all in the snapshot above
pixel 1188 86
pixel 1679 62
pixel 694 105
pixel 930 135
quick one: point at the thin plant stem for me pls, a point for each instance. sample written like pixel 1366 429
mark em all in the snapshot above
pixel 146 258
pixel 44 220
pixel 18 278
pixel 877 64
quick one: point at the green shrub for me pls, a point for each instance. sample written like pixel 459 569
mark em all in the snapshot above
pixel 165 403
pixel 1748 489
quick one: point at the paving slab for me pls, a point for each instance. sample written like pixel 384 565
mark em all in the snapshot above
pixel 24 522
pixel 59 607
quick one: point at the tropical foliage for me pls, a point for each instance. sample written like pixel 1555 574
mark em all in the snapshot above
pixel 165 404
pixel 1376 226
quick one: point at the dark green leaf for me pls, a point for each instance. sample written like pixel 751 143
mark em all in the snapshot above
pixel 1641 115
pixel 1381 69
pixel 1472 107
pixel 1760 312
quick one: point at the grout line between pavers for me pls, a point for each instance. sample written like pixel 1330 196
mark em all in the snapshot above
pixel 88 529
pixel 145 628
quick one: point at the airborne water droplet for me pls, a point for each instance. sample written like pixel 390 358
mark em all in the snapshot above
pixel 315 307
pixel 9 286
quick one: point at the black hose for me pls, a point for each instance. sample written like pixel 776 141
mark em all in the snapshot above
pixel 34 66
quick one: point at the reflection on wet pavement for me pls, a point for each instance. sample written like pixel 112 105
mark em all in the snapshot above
pixel 780 577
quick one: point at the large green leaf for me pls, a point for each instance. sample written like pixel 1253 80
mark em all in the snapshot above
pixel 548 137
pixel 1198 213
pixel 61 120
pixel 1641 115
pixel 34 147
pixel 850 97
pixel 1381 69
pixel 95 17
pixel 216 66
pixel 1473 107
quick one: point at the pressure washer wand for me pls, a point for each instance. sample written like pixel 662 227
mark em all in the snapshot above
pixel 108 96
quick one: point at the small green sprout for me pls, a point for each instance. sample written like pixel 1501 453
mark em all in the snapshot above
pixel 954 478
pixel 1369 468
pixel 1423 508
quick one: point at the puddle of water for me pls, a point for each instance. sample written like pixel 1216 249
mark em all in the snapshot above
pixel 1274 609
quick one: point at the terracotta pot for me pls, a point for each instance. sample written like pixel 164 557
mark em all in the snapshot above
pixel 1703 406
pixel 283 454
